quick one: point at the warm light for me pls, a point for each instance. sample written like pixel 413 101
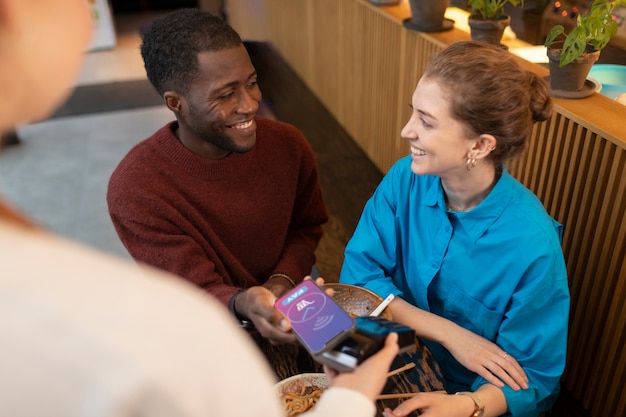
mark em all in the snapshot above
pixel 557 4
pixel 564 13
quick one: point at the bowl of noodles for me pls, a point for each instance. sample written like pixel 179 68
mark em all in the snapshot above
pixel 357 301
pixel 300 393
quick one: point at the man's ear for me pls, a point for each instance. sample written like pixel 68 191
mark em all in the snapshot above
pixel 173 100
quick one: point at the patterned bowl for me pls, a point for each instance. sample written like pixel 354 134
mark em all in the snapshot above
pixel 357 301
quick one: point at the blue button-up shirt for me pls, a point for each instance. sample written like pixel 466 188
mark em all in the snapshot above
pixel 497 270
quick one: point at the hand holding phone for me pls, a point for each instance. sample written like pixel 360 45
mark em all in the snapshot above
pixel 330 335
pixel 317 321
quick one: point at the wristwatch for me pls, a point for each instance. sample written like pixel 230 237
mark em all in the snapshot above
pixel 243 321
pixel 479 408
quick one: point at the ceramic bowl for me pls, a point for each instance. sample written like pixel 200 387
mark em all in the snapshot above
pixel 288 391
pixel 612 77
pixel 357 301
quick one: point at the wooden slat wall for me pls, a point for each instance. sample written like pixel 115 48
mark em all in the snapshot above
pixel 580 178
pixel 340 63
pixel 363 65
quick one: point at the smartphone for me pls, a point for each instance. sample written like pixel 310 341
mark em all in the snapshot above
pixel 317 321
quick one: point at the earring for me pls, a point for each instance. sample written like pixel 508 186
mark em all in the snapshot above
pixel 471 163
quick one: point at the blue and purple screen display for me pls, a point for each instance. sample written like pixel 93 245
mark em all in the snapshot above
pixel 314 316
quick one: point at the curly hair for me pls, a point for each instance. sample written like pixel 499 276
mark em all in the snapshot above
pixel 490 93
pixel 171 44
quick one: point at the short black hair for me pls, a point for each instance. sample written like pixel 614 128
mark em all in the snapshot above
pixel 171 45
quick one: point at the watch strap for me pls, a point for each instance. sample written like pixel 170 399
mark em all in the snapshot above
pixel 243 321
pixel 479 407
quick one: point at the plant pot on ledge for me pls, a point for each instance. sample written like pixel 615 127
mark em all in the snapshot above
pixel 580 46
pixel 570 81
pixel 487 19
pixel 488 30
pixel 428 16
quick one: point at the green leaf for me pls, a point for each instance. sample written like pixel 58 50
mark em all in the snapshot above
pixel 491 9
pixel 595 28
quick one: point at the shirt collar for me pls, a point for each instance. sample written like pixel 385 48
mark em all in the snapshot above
pixel 477 221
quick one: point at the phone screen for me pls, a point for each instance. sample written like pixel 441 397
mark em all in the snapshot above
pixel 315 318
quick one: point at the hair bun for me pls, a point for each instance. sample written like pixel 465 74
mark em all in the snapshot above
pixel 540 101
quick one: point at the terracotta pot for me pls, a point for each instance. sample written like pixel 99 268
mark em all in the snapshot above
pixel 573 76
pixel 488 30
pixel 427 16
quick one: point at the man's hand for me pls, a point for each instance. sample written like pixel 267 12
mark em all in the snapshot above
pixel 257 304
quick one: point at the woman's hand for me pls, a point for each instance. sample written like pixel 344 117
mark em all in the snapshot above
pixel 474 352
pixel 434 404
pixel 441 404
pixel 486 359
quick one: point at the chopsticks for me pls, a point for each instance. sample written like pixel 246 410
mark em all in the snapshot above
pixel 403 395
pixel 376 312
pixel 396 371
pixel 393 396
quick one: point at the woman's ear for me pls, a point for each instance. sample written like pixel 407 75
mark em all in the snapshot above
pixel 484 145
pixel 172 100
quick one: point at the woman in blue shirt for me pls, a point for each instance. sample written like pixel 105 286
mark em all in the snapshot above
pixel 471 254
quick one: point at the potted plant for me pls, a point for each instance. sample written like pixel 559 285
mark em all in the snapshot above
pixel 572 54
pixel 487 19
pixel 428 16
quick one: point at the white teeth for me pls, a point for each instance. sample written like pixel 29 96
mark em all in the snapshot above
pixel 241 126
pixel 416 151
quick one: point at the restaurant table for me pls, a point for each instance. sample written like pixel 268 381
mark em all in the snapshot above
pixel 289 360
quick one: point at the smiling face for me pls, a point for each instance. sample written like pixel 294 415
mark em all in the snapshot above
pixel 216 116
pixel 439 143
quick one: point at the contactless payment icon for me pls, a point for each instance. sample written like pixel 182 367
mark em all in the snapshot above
pixel 308 307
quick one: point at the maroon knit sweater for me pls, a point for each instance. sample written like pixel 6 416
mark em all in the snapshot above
pixel 221 224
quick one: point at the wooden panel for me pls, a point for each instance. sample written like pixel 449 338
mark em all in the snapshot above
pixel 348 78
pixel 580 178
pixel 249 18
pixel 291 32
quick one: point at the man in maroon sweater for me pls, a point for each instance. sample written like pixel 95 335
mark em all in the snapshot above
pixel 229 201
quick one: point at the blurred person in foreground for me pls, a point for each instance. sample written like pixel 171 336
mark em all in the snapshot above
pixel 85 334
pixel 228 200
pixel 471 254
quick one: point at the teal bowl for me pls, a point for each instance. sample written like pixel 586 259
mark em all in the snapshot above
pixel 612 77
